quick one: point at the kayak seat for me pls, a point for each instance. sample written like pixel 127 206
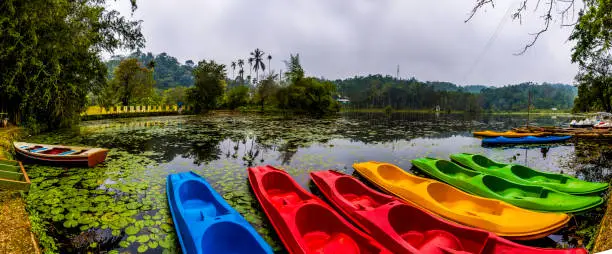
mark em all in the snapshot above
pixel 432 240
pixel 39 150
pixel 24 147
pixel 68 152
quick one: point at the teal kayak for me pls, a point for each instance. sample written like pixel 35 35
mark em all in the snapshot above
pixel 526 196
pixel 524 175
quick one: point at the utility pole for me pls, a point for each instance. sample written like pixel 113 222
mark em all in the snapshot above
pixel 397 74
pixel 528 104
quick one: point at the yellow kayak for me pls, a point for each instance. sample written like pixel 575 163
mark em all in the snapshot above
pixel 444 200
pixel 507 134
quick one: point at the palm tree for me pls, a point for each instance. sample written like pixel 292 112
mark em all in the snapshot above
pixel 241 72
pixel 233 65
pixel 250 67
pixel 269 64
pixel 257 56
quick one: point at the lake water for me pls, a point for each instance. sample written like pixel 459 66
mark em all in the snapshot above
pixel 121 205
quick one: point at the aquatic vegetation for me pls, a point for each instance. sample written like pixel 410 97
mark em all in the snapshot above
pixel 121 204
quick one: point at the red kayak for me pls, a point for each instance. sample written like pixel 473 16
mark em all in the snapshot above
pixel 304 222
pixel 403 228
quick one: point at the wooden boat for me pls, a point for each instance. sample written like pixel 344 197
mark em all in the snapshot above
pixel 524 140
pixel 525 195
pixel 525 175
pixel 303 222
pixel 13 176
pixel 61 155
pixel 507 134
pixel 205 222
pixel 407 229
pixel 444 200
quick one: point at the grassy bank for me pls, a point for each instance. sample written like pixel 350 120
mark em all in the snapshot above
pixel 604 237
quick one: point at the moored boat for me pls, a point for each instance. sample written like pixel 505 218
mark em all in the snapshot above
pixel 444 200
pixel 13 176
pixel 522 174
pixel 406 229
pixel 205 223
pixel 303 222
pixel 524 140
pixel 529 196
pixel 508 134
pixel 61 155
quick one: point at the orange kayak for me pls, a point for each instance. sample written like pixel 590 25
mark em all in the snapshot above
pixel 442 199
pixel 507 134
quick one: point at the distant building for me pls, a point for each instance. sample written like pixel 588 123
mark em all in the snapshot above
pixel 554 109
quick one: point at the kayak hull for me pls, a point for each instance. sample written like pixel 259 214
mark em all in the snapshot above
pixel 303 222
pixel 448 202
pixel 524 140
pixel 407 229
pixel 525 175
pixel 205 223
pixel 528 196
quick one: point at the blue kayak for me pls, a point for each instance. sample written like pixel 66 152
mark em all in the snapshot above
pixel 524 140
pixel 205 223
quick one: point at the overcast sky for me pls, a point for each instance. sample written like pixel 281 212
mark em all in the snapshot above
pixel 428 39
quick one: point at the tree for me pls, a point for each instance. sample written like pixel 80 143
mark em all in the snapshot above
pixel 175 96
pixel 257 56
pixel 51 60
pixel 237 97
pixel 233 65
pixel 250 68
pixel 294 68
pixel 595 85
pixel 266 89
pixel 131 82
pixel 209 85
pixel 270 62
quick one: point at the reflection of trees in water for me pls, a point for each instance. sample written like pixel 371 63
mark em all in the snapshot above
pixel 593 160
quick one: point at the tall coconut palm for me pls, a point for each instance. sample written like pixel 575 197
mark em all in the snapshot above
pixel 251 66
pixel 241 72
pixel 269 64
pixel 258 56
pixel 233 65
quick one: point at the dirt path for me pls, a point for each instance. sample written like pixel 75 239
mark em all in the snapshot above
pixel 604 238
pixel 15 235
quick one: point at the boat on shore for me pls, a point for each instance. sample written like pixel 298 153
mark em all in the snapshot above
pixel 205 222
pixel 444 200
pixel 61 155
pixel 404 228
pixel 303 222
pixel 13 176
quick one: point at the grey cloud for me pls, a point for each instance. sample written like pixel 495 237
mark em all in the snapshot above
pixel 344 38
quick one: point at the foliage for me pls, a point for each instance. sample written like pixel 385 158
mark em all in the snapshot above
pixel 266 89
pixel 168 72
pixel 209 86
pixel 294 68
pixel 377 91
pixel 39 228
pixel 50 60
pixel 132 84
pixel 237 97
pixel 595 86
pixel 308 95
pixel 175 95
pixel 593 36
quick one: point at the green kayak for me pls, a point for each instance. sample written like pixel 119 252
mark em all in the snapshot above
pixel 524 175
pixel 489 186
